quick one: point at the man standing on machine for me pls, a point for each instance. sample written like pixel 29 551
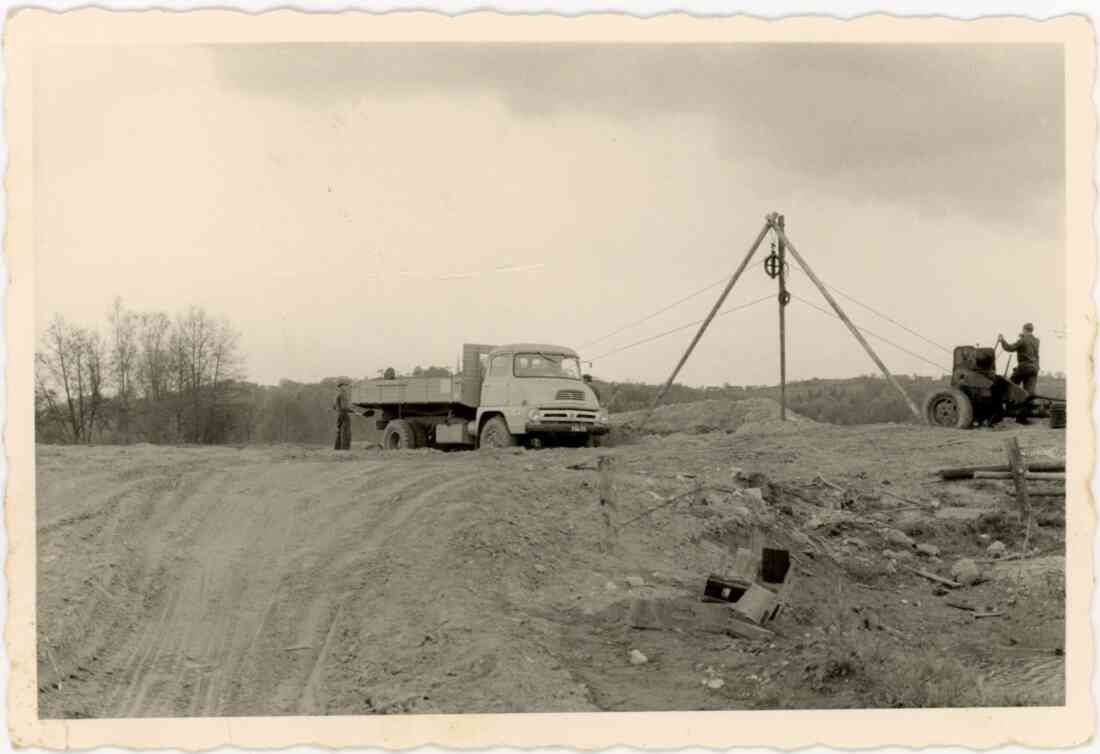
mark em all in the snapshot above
pixel 1026 373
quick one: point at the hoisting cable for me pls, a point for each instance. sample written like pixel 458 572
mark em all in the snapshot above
pixel 874 311
pixel 874 335
pixel 659 312
pixel 769 297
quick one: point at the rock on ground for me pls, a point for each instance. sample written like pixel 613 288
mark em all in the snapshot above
pixel 966 572
pixel 898 538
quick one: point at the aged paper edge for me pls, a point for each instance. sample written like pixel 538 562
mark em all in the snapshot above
pixel 977 728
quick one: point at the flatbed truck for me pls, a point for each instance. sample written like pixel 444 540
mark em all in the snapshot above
pixel 529 394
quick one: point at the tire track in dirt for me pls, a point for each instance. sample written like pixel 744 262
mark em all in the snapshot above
pixel 220 565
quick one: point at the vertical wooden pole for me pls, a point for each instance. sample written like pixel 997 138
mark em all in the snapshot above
pixel 1019 478
pixel 605 464
pixel 844 318
pixel 706 322
pixel 783 298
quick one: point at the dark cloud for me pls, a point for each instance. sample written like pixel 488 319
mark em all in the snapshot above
pixel 976 129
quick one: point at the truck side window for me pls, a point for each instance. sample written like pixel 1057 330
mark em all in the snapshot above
pixel 499 366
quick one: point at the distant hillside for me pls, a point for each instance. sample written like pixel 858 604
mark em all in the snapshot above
pixel 857 400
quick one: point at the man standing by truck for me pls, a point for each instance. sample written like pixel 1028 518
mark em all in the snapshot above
pixel 1026 348
pixel 342 406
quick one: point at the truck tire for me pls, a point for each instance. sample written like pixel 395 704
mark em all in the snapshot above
pixel 495 434
pixel 399 435
pixel 949 408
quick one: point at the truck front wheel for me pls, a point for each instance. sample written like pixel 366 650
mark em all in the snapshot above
pixel 399 435
pixel 495 434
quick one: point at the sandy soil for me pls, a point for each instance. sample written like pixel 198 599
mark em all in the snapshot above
pixel 287 580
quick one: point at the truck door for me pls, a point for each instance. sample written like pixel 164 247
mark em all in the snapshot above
pixel 494 387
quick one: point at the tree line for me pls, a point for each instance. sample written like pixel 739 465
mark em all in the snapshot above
pixel 146 377
pixel 156 378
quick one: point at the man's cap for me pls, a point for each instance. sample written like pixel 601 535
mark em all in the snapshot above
pixel 1029 327
pixel 342 383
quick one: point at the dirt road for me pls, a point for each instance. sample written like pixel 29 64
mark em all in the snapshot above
pixel 281 581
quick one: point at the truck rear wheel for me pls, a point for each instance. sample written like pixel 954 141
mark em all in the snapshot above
pixel 949 408
pixel 495 434
pixel 399 435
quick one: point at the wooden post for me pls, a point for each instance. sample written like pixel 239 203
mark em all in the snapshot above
pixel 784 298
pixel 608 509
pixel 706 322
pixel 1019 476
pixel 844 318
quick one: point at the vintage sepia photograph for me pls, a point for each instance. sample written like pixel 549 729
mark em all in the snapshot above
pixel 396 377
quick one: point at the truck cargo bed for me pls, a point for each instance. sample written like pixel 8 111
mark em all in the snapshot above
pixel 419 390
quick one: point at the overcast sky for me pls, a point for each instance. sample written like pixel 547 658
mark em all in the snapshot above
pixel 354 207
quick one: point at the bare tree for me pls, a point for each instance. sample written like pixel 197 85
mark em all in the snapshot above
pixel 70 365
pixel 153 361
pixel 123 363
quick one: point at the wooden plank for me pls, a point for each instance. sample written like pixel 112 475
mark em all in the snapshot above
pixel 755 604
pixel 745 565
pixel 605 465
pixel 1033 475
pixel 1019 472
pixel 967 472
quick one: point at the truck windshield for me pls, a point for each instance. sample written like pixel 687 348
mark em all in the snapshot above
pixel 547 365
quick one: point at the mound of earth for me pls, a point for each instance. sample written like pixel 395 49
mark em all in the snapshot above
pixel 699 417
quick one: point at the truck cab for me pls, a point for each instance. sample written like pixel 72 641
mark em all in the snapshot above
pixel 538 392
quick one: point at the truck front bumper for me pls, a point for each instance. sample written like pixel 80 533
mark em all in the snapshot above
pixel 566 428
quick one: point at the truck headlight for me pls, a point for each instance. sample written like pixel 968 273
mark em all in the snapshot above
pixel 533 415
pixel 602 416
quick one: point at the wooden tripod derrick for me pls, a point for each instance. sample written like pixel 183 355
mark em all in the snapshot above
pixel 776 223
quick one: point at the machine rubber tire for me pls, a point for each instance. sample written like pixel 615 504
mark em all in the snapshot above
pixel 399 435
pixel 495 434
pixel 949 408
pixel 1058 416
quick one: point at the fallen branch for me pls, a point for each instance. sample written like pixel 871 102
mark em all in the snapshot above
pixel 937 579
pixel 656 508
pixel 827 483
pixel 1008 558
pixel 993 614
pixel 960 605
pixel 914 503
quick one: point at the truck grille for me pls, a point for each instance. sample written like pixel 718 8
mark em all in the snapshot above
pixel 569 415
pixel 570 395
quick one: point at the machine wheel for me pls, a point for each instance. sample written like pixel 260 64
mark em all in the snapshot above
pixel 399 435
pixel 495 434
pixel 949 408
pixel 1058 416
